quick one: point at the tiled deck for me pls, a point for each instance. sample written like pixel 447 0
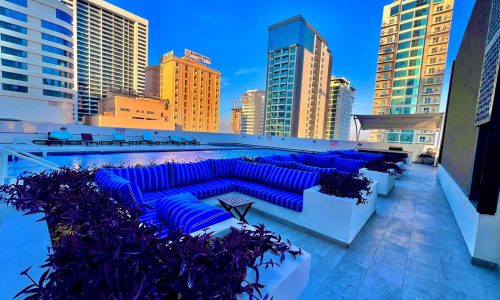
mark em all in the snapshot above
pixel 411 249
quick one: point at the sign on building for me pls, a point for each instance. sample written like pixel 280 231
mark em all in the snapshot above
pixel 197 56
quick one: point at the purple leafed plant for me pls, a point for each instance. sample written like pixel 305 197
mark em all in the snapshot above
pixel 385 167
pixel 346 186
pixel 102 251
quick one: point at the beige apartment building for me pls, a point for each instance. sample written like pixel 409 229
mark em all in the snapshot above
pixel 298 79
pixel 411 64
pixel 131 111
pixel 341 99
pixel 193 91
pixel 152 85
pixel 236 115
pixel 253 104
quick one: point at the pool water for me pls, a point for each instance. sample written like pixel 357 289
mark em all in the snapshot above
pixel 133 158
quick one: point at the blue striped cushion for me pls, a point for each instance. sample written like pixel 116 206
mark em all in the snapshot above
pixel 125 192
pixel 286 199
pixel 349 165
pixel 321 171
pixel 323 161
pixel 292 180
pixel 283 164
pixel 301 158
pixel 251 171
pixel 148 179
pixel 199 190
pixel 223 167
pixel 185 212
pixel 185 174
pixel 287 158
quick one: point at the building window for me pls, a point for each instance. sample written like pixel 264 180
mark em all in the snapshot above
pixel 55 61
pixel 14 76
pixel 13 27
pixel 14 64
pixel 422 139
pixel 56 28
pixel 64 16
pixel 58 94
pixel 13 14
pixel 55 39
pixel 13 40
pixel 58 51
pixel 14 88
pixel 23 3
pixel 55 72
pixel 57 83
pixel 15 52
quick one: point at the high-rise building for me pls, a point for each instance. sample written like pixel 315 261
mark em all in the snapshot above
pixel 298 77
pixel 193 89
pixel 152 83
pixel 235 118
pixel 341 98
pixel 253 104
pixel 36 61
pixel 411 64
pixel 111 52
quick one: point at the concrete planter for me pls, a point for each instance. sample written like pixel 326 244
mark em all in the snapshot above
pixel 385 180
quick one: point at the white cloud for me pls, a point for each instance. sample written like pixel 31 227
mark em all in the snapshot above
pixel 245 71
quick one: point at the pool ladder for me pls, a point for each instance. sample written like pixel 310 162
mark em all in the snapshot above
pixel 13 152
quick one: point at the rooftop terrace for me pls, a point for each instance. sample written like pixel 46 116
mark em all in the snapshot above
pixel 410 249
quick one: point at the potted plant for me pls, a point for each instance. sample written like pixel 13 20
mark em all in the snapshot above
pixel 101 249
pixel 348 201
pixel 384 173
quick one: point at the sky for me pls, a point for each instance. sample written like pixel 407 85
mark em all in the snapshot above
pixel 234 35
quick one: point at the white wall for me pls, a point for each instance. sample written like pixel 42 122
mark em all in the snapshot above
pixel 480 232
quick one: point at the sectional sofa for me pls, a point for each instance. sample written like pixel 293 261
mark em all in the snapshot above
pixel 279 192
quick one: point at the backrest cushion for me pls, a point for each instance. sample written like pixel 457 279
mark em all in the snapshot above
pixel 147 136
pixel 283 164
pixel 323 161
pixel 251 171
pixel 186 174
pixel 60 135
pixel 287 158
pixel 291 180
pixel 321 171
pixel 301 158
pixel 223 167
pixel 349 165
pixel 148 179
pixel 118 137
pixel 125 192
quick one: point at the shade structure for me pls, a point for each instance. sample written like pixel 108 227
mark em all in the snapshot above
pixel 400 122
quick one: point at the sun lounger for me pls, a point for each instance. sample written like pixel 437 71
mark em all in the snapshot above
pixel 118 138
pixel 88 139
pixel 191 141
pixel 148 138
pixel 177 140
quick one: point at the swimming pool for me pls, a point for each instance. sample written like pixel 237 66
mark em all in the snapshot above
pixel 133 158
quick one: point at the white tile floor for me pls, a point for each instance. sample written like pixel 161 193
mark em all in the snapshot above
pixel 411 249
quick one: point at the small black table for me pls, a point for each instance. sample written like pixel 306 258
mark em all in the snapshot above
pixel 233 202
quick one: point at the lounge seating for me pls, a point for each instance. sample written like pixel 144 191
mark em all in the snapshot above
pixel 88 139
pixel 58 138
pixel 117 138
pixel 322 164
pixel 148 138
pixel 191 141
pixel 277 191
pixel 177 140
pixel 47 142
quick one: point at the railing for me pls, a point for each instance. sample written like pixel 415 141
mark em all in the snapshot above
pixel 4 161
pixel 17 141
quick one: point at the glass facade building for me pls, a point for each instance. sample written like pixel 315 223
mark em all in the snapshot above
pixel 298 72
pixel 252 112
pixel 341 99
pixel 411 64
pixel 36 53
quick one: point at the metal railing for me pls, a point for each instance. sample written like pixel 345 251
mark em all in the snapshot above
pixel 16 141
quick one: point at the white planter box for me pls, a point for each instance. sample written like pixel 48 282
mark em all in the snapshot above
pixel 385 180
pixel 286 281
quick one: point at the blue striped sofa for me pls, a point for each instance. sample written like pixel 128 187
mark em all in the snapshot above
pixel 145 187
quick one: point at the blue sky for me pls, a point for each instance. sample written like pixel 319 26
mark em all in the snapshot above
pixel 234 35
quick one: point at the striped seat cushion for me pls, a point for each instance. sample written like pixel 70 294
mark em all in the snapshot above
pixel 286 199
pixel 300 158
pixel 150 217
pixel 148 179
pixel 199 190
pixel 185 212
pixel 287 158
pixel 251 171
pixel 283 164
pixel 189 173
pixel 123 191
pixel 321 171
pixel 291 180
pixel 349 165
pixel 322 161
pixel 223 167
